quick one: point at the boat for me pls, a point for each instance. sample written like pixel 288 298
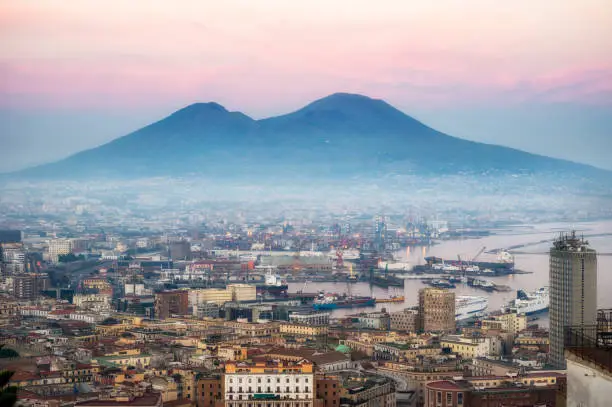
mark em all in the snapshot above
pixel 503 265
pixel 467 306
pixel 334 301
pixel 273 284
pixel 395 298
pixel 439 283
pixel 529 303
pixel 482 284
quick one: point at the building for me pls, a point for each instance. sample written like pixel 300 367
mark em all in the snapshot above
pixel 535 389
pixel 180 250
pixel 573 291
pixel 405 320
pixel 369 391
pixel 309 318
pixel 375 320
pixel 510 322
pixel 136 289
pixel 242 292
pixel 588 353
pixel 168 303
pixel 93 302
pixel 208 391
pixel 215 295
pixel 207 310
pixel 10 236
pixel 472 347
pixel 59 247
pixel 303 330
pixel 268 384
pixel 233 292
pixel 28 286
pixel 9 310
pixel 436 310
pixel 328 390
pixel 142 400
pixel 12 258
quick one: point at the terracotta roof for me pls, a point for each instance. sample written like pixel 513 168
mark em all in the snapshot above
pixel 23 375
pixel 329 357
pixel 150 399
pixel 444 385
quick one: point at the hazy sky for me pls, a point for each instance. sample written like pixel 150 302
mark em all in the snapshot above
pixel 535 75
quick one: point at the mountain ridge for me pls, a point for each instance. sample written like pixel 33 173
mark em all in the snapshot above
pixel 341 134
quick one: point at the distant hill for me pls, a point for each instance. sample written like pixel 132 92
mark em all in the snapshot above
pixel 339 136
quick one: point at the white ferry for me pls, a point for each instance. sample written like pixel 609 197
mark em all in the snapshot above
pixel 467 306
pixel 532 303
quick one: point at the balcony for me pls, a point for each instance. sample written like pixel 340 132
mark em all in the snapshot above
pixel 591 343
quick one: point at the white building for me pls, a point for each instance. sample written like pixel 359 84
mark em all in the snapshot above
pixel 58 247
pixel 272 383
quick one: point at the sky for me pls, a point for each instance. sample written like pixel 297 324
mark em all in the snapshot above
pixel 534 75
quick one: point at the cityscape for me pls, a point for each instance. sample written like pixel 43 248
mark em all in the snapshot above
pixel 332 203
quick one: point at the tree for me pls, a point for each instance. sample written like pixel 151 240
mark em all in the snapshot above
pixel 8 353
pixel 8 395
pixel 69 258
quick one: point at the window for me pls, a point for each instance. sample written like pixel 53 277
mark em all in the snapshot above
pixel 459 398
pixel 449 398
pixel 439 397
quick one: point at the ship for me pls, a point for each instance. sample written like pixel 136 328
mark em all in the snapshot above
pixel 468 307
pixel 529 303
pixel 334 301
pixel 503 265
pixel 482 284
pixel 272 285
pixel 395 298
pixel 439 283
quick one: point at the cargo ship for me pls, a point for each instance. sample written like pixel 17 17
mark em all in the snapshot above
pixel 334 301
pixel 528 304
pixel 504 265
pixel 272 285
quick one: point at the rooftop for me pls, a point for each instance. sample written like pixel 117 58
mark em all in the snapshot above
pixel 590 344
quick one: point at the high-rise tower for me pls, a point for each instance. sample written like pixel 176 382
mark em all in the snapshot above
pixel 436 310
pixel 573 290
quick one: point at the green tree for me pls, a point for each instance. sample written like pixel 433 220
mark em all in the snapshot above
pixel 8 353
pixel 8 394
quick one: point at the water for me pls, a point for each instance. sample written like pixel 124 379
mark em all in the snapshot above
pixel 532 258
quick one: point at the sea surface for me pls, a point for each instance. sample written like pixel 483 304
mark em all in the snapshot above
pixel 531 257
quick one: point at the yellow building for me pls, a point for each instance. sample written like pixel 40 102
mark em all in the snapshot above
pixel 123 358
pixel 467 348
pixel 306 330
pixel 242 292
pixel 510 322
pixel 217 295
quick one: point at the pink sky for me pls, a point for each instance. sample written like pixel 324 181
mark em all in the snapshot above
pixel 267 56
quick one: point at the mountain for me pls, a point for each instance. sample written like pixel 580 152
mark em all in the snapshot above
pixel 341 135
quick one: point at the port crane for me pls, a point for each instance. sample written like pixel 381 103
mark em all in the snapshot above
pixel 481 251
pixel 339 259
